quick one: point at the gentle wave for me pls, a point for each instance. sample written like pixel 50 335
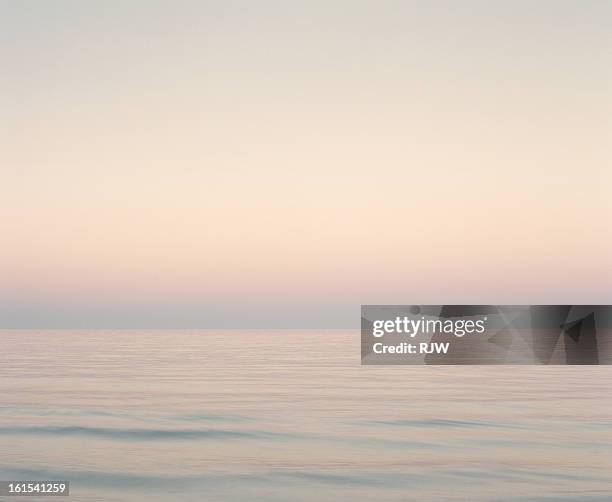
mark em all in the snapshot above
pixel 115 481
pixel 190 417
pixel 142 434
pixel 442 423
pixel 137 434
pixel 122 480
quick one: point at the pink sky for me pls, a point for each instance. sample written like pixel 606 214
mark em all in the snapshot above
pixel 212 165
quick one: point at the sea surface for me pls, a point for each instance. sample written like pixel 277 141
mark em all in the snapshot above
pixel 293 416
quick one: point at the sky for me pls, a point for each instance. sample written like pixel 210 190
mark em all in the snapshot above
pixel 272 164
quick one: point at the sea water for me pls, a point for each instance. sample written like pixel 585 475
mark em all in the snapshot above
pixel 293 416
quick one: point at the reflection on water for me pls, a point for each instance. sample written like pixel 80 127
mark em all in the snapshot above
pixel 291 415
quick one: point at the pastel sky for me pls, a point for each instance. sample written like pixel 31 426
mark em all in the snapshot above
pixel 279 163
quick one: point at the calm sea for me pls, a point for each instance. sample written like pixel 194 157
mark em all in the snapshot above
pixel 292 416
